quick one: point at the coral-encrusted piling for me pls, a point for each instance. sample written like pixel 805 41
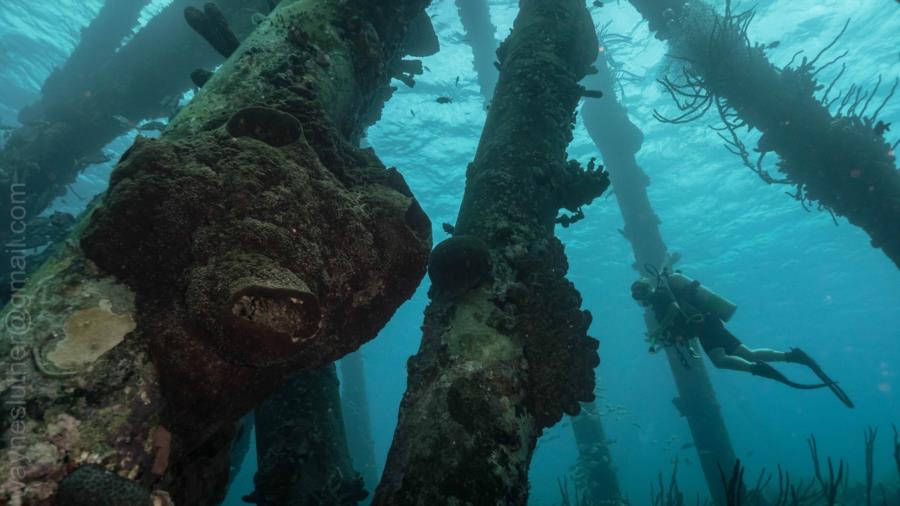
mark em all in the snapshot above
pixel 301 446
pixel 595 476
pixel 239 260
pixel 619 140
pixel 834 153
pixel 505 351
pixel 595 472
pixel 97 44
pixel 102 92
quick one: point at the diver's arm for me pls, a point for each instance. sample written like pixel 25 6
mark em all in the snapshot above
pixel 672 312
pixel 671 316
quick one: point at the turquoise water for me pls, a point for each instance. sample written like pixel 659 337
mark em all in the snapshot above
pixel 798 279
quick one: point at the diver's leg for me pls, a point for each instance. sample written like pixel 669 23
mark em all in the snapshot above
pixel 723 360
pixel 760 354
pixel 765 370
pixel 798 356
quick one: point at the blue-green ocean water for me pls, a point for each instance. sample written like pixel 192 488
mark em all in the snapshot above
pixel 799 279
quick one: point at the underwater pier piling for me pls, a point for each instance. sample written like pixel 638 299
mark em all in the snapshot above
pixel 314 443
pixel 357 420
pixel 98 44
pixel 618 139
pixel 124 356
pixel 76 116
pixel 837 160
pixel 596 476
pixel 301 445
pixel 505 351
pixel 475 17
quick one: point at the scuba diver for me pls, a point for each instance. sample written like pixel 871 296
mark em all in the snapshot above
pixel 685 309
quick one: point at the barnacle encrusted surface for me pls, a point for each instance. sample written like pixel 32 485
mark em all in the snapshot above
pixel 259 240
pixel 838 159
pixel 507 353
pixel 256 249
pixel 271 126
pixel 239 261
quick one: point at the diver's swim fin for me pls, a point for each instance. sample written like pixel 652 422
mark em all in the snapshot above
pixel 767 371
pixel 798 356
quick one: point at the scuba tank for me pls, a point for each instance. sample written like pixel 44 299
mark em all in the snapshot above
pixel 702 297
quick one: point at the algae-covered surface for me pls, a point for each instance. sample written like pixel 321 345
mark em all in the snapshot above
pixel 169 283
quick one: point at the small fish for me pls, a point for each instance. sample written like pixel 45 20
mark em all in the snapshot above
pixel 412 113
pixel 457 81
pixel 773 45
pixel 444 100
pixel 598 3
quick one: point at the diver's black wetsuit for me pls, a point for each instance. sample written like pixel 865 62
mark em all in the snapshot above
pixel 705 326
pixel 690 322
